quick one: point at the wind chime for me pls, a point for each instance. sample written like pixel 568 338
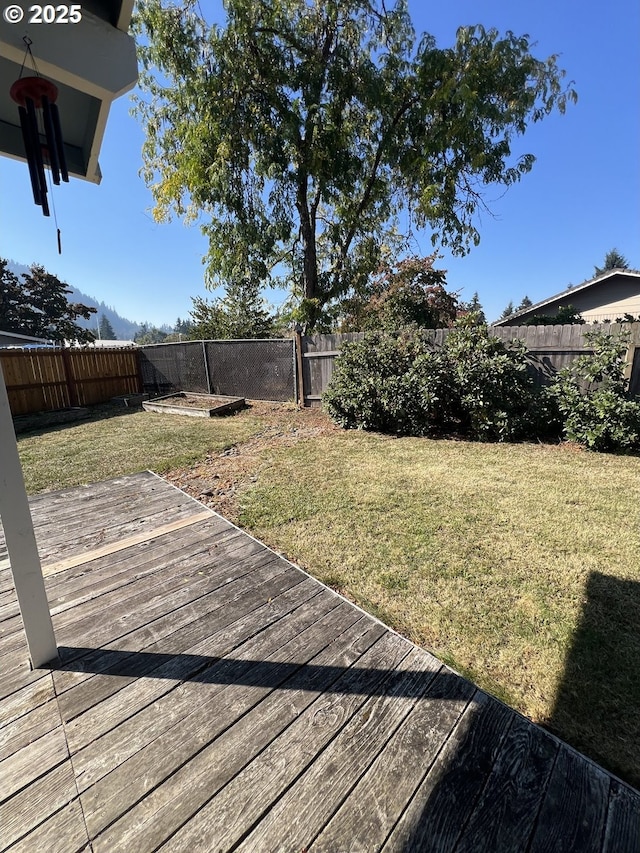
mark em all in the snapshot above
pixel 39 117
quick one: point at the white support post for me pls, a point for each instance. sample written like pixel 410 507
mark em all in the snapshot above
pixel 21 543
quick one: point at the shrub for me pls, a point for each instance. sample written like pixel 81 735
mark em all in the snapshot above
pixel 372 386
pixel 474 385
pixel 592 395
pixel 496 389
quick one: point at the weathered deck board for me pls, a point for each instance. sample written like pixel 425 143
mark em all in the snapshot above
pixel 210 696
pixel 63 832
pixel 622 834
pixel 374 806
pixel 579 791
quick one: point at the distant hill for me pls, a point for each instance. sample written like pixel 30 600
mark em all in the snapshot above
pixel 124 329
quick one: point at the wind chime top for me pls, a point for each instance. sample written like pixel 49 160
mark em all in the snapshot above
pixel 35 88
pixel 41 132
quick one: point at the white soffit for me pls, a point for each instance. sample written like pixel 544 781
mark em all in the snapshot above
pixel 92 63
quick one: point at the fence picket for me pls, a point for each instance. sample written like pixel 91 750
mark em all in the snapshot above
pixel 549 348
pixel 49 380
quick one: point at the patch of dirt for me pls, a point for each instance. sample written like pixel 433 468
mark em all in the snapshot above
pixel 193 401
pixel 218 479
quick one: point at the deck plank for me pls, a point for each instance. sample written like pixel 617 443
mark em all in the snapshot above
pixel 227 629
pixel 26 701
pixel 374 806
pixel 574 811
pixel 28 727
pixel 34 804
pixel 84 664
pixel 159 760
pixel 63 832
pixel 326 784
pixel 505 814
pixel 32 761
pixel 325 698
pixel 444 801
pixel 622 834
pixel 152 820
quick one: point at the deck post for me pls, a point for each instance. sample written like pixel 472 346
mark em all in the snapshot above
pixel 21 543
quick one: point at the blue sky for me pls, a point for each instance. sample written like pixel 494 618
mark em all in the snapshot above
pixel 581 199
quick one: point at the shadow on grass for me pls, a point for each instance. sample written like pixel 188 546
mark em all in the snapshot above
pixel 42 423
pixel 38 424
pixel 597 707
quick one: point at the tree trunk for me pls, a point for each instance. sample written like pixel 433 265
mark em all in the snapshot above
pixel 309 255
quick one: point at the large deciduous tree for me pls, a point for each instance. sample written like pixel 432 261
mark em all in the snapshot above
pixel 299 129
pixel 36 304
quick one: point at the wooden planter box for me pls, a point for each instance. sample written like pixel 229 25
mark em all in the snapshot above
pixel 194 405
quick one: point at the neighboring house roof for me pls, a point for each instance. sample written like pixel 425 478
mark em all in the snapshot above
pixel 13 339
pixel 565 296
pixel 107 344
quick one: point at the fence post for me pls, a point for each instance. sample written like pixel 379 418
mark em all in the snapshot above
pixel 298 346
pixel 206 367
pixel 68 375
pixel 21 544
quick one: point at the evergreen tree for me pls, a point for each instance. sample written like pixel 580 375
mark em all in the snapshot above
pixel 150 335
pixel 105 328
pixel 239 314
pixel 526 303
pixel 206 320
pixel 613 260
pixel 508 311
pixel 474 307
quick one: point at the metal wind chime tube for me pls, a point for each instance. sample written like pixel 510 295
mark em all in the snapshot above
pixel 36 99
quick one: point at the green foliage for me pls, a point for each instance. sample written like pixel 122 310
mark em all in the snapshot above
pixel 508 311
pixel 475 385
pixel 150 335
pixel 566 315
pixel 473 307
pixel 240 314
pixel 593 396
pixel 374 387
pixel 410 292
pixel 38 306
pixel 495 387
pixel 612 260
pixel 297 132
pixel 106 329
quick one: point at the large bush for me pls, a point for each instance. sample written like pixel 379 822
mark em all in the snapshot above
pixel 373 386
pixel 474 385
pixel 593 396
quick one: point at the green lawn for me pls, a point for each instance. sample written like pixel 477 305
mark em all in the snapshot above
pixel 116 442
pixel 517 564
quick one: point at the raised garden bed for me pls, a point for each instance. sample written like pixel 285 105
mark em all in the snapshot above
pixel 195 405
pixel 41 420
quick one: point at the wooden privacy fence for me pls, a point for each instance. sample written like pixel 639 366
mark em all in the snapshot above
pixel 47 380
pixel 550 348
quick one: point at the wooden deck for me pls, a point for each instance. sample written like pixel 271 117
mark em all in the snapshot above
pixel 211 696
